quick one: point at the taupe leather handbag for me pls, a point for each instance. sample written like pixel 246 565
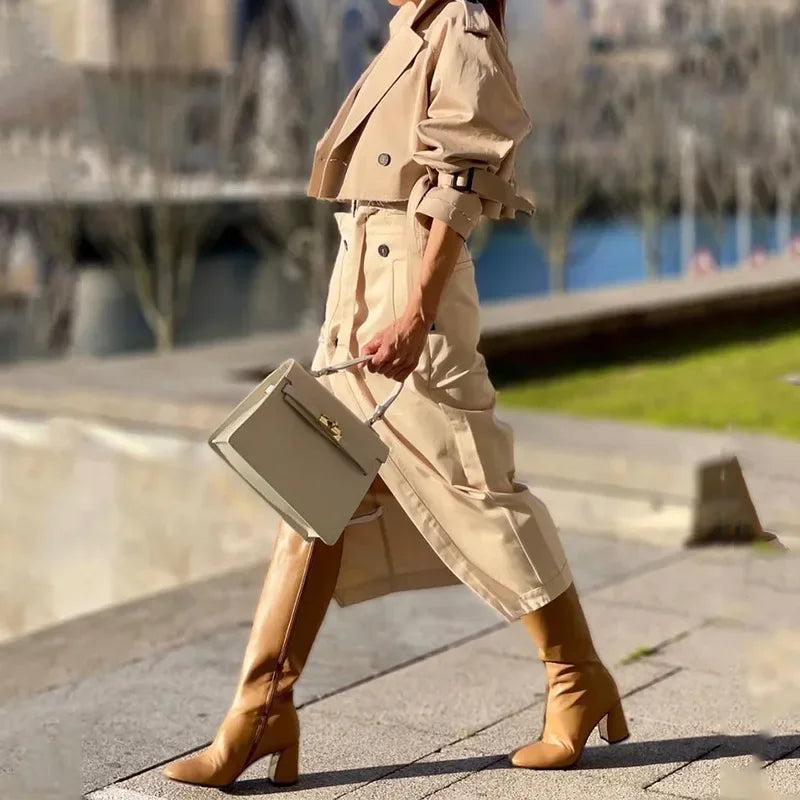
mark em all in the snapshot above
pixel 303 450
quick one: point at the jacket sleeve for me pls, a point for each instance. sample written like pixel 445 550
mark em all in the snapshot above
pixel 475 118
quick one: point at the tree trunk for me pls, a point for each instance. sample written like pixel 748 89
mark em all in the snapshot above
pixel 557 256
pixel 688 195
pixel 652 254
pixel 783 222
pixel 744 212
pixel 164 332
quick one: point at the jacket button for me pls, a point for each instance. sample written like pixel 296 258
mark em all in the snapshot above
pixel 383 250
pixel 384 159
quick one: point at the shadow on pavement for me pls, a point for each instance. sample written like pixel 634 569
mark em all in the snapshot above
pixel 621 756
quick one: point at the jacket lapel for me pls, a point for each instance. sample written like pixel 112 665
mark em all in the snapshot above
pixel 398 53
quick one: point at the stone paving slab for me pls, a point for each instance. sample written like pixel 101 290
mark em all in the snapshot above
pixel 157 674
pixel 709 704
pixel 426 777
pixel 654 751
pixel 464 690
pixel 387 708
pixel 619 632
pixel 442 726
pixel 784 775
pixel 143 712
pixel 733 756
pixel 504 781
pixel 106 640
pixel 520 727
pixel 597 561
pixel 762 570
pixel 718 647
pixel 718 586
pixel 336 757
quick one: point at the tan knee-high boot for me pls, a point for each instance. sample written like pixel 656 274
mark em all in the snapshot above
pixel 262 720
pixel 581 691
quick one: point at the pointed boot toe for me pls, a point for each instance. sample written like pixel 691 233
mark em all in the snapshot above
pixel 544 755
pixel 191 770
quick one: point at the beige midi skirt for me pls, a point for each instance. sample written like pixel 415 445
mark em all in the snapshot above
pixel 454 511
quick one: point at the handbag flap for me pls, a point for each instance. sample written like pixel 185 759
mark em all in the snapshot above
pixel 356 437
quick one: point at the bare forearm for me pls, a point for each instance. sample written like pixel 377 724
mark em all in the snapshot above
pixel 441 253
pixel 397 349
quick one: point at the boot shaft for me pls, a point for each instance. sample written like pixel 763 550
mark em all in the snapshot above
pixel 297 590
pixel 560 630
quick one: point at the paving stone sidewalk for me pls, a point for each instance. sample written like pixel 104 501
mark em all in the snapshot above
pixel 705 646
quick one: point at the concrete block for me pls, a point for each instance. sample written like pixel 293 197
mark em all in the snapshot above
pixel 105 516
pixel 634 519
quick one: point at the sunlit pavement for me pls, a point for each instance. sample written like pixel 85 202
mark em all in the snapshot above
pixel 704 645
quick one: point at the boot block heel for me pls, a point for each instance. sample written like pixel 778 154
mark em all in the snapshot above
pixel 613 727
pixel 284 766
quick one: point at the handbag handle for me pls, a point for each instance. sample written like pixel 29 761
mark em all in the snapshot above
pixel 381 408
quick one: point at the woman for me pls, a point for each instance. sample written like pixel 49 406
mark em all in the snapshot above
pixel 422 147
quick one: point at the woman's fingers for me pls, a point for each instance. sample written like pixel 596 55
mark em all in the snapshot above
pixel 372 346
pixel 391 354
pixel 401 369
pixel 382 360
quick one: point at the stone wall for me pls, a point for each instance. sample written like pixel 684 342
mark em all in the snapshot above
pixel 93 515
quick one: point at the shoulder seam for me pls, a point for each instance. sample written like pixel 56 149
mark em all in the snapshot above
pixel 467 14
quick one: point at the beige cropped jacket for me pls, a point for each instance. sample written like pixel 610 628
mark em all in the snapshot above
pixel 435 119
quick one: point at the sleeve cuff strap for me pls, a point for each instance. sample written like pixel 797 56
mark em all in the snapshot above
pixel 460 210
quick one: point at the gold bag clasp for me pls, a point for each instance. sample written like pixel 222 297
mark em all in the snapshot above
pixel 331 426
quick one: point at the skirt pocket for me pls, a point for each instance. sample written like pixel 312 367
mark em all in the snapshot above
pixel 483 446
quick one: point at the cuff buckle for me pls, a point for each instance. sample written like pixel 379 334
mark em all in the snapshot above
pixel 466 186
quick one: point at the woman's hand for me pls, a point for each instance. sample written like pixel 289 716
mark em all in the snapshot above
pixel 396 350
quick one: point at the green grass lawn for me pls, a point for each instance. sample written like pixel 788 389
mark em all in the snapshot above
pixel 712 384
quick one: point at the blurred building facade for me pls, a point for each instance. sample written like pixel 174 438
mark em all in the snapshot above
pixel 80 79
pixel 631 19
